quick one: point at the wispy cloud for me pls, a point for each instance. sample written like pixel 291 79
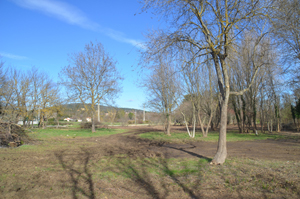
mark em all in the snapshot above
pixel 131 100
pixel 72 15
pixel 12 56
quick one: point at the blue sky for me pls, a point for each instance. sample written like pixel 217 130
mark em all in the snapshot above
pixel 42 33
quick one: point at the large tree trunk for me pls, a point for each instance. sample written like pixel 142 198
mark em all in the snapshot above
pixel 224 88
pixel 168 125
pixel 42 121
pixel 222 147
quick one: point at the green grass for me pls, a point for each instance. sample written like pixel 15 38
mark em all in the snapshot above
pixel 65 123
pixel 127 168
pixel 63 139
pixel 72 133
pixel 212 136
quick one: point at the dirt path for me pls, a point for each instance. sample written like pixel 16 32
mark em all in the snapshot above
pixel 131 144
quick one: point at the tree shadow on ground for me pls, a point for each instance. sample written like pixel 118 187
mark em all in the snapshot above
pixel 80 178
pixel 154 177
pixel 183 149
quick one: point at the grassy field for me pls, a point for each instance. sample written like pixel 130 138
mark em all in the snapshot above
pixel 71 133
pixel 75 163
pixel 212 136
pixel 238 178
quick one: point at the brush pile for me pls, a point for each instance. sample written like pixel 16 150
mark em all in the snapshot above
pixel 11 135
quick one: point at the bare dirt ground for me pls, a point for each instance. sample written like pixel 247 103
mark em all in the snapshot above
pixel 73 172
pixel 129 143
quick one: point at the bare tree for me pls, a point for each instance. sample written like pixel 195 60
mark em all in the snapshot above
pixel 24 94
pixel 242 62
pixel 15 96
pixel 112 112
pixel 48 98
pixel 272 85
pixel 91 76
pixel 200 90
pixel 286 29
pixel 2 85
pixel 2 74
pixel 163 88
pixel 211 27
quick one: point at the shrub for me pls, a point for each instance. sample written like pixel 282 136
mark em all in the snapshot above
pixel 88 125
pixel 60 123
pixel 131 121
pixel 51 122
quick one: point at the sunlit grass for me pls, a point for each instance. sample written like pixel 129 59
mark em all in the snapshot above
pixel 212 136
pixel 72 133
pixel 127 168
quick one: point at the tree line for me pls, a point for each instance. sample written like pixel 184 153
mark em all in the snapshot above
pixel 27 95
pixel 229 54
pixel 90 77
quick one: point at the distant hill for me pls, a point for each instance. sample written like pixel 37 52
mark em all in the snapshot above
pixel 76 106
